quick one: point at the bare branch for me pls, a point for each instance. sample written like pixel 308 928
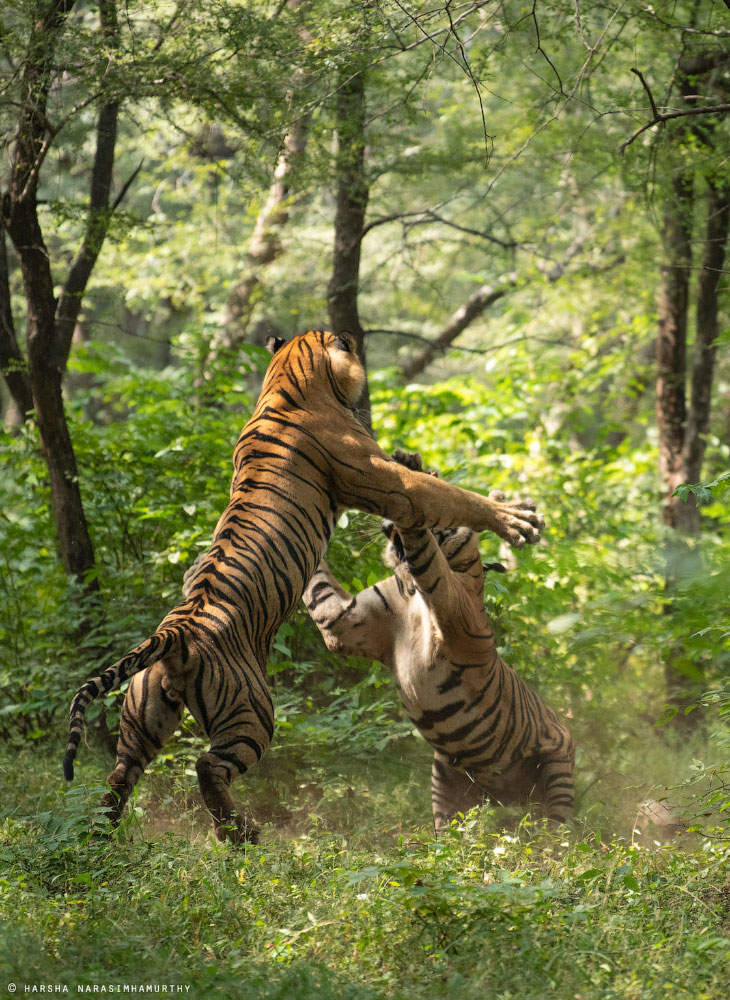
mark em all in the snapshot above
pixel 474 306
pixel 488 139
pixel 579 26
pixel 481 351
pixel 649 94
pixel 464 64
pixel 126 186
pixel 542 51
pixel 422 216
pixel 717 109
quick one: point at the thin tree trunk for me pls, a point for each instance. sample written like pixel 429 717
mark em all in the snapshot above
pixel 705 347
pixel 50 323
pixel 12 361
pixel 351 200
pixel 265 244
pixel 682 428
pixel 671 343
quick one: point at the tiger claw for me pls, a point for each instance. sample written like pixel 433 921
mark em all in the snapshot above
pixel 523 525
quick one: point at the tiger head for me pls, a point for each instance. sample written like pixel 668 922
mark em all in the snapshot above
pixel 316 363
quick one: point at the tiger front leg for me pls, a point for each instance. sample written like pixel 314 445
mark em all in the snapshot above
pixel 354 626
pixel 329 605
pixel 429 568
pixel 412 499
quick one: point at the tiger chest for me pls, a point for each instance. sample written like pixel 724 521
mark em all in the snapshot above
pixel 417 662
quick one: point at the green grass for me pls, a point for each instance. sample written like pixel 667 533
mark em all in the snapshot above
pixel 349 896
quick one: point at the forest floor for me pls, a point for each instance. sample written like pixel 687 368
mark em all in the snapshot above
pixel 348 896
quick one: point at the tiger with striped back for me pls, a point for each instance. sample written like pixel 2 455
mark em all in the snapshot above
pixel 493 737
pixel 302 456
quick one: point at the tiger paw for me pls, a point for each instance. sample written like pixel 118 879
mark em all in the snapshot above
pixel 411 460
pixel 519 522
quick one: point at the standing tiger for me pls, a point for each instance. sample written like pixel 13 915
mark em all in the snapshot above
pixel 303 455
pixel 492 736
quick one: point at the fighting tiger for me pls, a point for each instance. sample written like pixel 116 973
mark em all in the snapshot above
pixel 302 456
pixel 493 737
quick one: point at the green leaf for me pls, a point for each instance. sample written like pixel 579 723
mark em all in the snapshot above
pixel 667 714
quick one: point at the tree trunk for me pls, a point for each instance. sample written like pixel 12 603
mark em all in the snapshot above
pixel 671 343
pixel 682 429
pixel 265 244
pixel 75 548
pixel 351 199
pixel 12 362
pixel 50 323
pixel 705 347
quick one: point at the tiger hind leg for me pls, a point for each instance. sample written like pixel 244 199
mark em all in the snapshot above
pixel 215 774
pixel 453 791
pixel 150 715
pixel 555 787
pixel 239 735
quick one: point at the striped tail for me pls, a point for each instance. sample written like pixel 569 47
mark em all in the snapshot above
pixel 152 649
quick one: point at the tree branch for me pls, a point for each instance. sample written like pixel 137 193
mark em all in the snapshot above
pixel 99 214
pixel 428 215
pixel 718 109
pixel 703 62
pixel 126 186
pixel 474 306
pixel 649 94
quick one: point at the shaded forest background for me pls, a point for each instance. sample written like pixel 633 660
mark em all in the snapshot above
pixel 521 211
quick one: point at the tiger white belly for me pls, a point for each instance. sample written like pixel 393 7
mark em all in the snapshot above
pixel 418 670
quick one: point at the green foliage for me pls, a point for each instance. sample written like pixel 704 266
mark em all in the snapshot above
pixel 582 616
pixel 155 470
pixel 354 909
pixel 705 493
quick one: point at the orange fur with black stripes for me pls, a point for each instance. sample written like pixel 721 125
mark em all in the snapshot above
pixel 303 455
pixel 493 737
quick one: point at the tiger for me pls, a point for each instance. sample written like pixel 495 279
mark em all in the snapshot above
pixel 304 455
pixel 493 737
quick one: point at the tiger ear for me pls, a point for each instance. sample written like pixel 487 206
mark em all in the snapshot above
pixel 274 343
pixel 346 342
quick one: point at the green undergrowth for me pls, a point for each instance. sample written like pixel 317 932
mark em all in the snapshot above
pixel 349 895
